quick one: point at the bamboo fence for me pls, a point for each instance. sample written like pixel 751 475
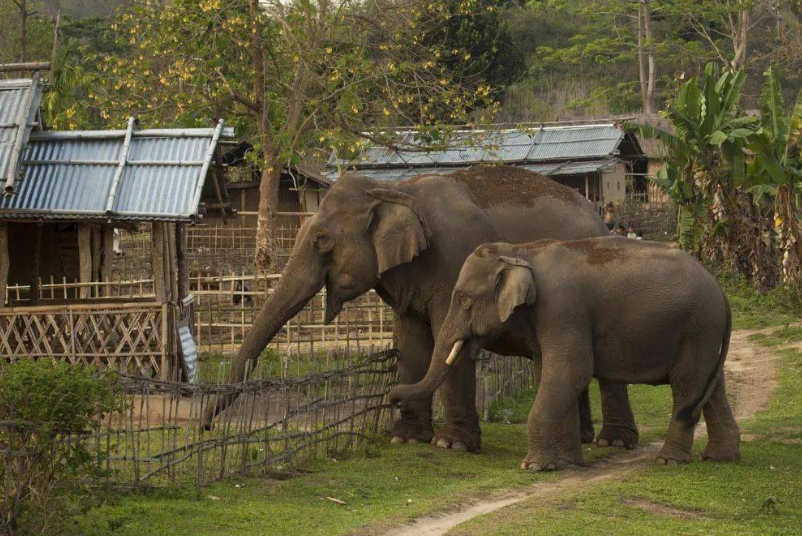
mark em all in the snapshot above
pixel 276 421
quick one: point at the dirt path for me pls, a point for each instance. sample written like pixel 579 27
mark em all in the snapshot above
pixel 751 379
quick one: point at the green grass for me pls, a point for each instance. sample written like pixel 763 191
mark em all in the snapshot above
pixel 384 484
pixel 381 484
pixel 761 495
pixel 753 310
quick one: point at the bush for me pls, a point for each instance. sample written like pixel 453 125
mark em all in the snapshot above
pixel 47 410
pixel 754 309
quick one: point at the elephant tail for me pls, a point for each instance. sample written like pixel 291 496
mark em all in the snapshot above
pixel 691 414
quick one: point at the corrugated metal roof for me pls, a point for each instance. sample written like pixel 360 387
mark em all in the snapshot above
pixel 550 169
pixel 19 105
pixel 137 175
pixel 519 146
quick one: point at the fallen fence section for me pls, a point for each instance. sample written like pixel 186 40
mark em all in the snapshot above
pixel 272 424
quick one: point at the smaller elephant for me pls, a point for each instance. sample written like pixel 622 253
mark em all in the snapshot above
pixel 612 308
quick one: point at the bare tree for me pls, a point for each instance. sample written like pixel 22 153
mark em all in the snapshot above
pixel 647 66
pixel 25 14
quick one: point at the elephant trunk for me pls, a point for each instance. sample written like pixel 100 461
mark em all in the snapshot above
pixel 439 368
pixel 300 280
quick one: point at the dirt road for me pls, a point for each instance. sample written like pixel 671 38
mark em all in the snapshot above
pixel 751 379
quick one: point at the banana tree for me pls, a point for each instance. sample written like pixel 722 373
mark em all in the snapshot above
pixel 775 171
pixel 705 153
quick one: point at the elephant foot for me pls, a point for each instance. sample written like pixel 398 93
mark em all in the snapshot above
pixel 458 438
pixel 617 436
pixel 405 431
pixel 537 463
pixel 722 451
pixel 672 456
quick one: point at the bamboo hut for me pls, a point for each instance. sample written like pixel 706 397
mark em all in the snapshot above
pixel 65 194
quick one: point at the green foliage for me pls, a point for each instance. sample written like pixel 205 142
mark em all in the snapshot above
pixel 776 145
pixel 706 148
pixel 754 309
pixel 48 407
pixel 302 79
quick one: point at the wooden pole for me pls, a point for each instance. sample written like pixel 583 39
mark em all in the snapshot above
pixel 4 263
pixel 108 258
pixel 157 261
pixel 24 66
pixel 181 259
pixel 97 234
pixel 171 268
pixel 37 252
pixel 84 259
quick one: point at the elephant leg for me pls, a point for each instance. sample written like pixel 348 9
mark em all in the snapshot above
pixel 458 394
pixel 618 428
pixel 585 417
pixel 415 345
pixel 553 424
pixel 724 437
pixel 569 444
pixel 679 439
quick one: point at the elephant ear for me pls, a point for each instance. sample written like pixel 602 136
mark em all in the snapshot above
pixel 399 231
pixel 515 285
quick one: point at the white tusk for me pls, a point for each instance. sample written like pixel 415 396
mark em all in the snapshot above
pixel 454 352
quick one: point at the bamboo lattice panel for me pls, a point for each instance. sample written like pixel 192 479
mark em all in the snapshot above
pixel 124 337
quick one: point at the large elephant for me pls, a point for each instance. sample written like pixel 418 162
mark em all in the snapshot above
pixel 614 308
pixel 408 240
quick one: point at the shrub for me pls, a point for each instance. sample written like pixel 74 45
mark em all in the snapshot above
pixel 47 410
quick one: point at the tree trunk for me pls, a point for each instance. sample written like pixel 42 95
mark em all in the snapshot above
pixel 266 222
pixel 647 67
pixel 787 229
pixel 740 40
pixel 23 41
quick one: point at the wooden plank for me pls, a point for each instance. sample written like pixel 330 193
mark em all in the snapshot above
pixel 4 262
pixel 77 307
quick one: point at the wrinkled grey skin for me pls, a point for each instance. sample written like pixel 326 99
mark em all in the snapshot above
pixel 408 241
pixel 618 309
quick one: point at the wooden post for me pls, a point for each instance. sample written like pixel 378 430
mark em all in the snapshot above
pixel 171 267
pixel 4 263
pixel 84 258
pixel 157 261
pixel 181 260
pixel 37 252
pixel 108 259
pixel 97 234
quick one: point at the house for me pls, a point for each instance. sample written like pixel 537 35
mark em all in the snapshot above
pixel 64 196
pixel 600 160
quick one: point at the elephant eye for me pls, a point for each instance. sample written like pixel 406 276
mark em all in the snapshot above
pixel 323 243
pixel 465 301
